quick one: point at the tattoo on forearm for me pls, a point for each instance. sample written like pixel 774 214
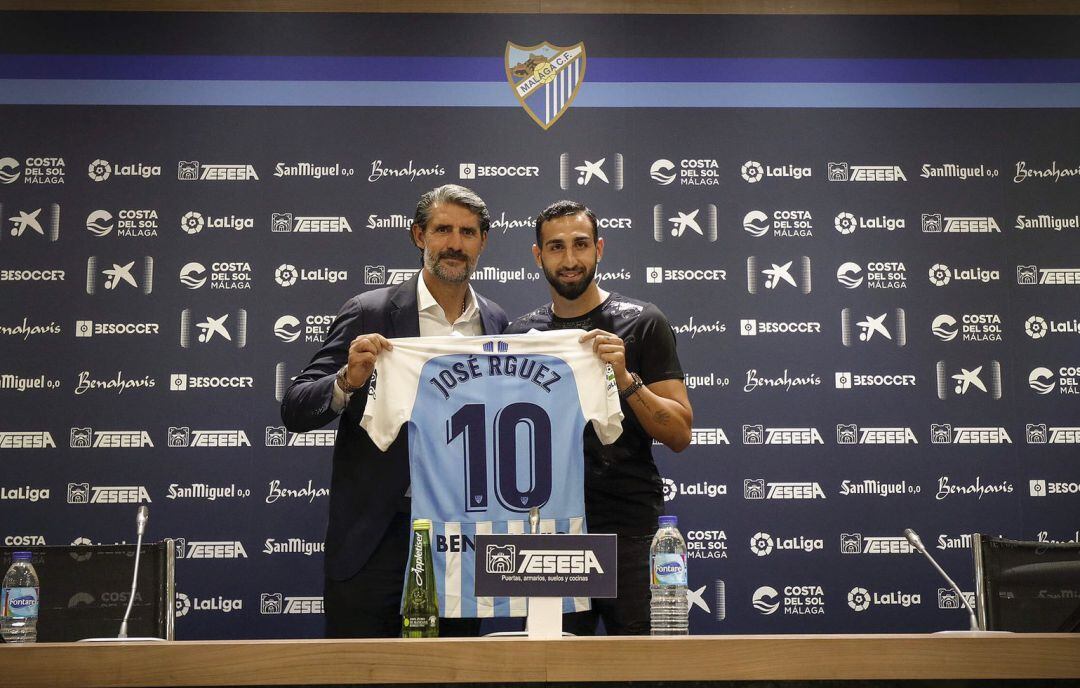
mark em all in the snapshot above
pixel 662 417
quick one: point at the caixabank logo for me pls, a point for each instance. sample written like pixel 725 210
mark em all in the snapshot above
pixel 779 223
pixel 845 172
pixel 42 221
pixel 309 224
pixel 193 170
pixel 603 171
pixel 133 276
pixel 982 380
pixel 861 599
pixel 213 328
pixel 885 329
pixel 946 433
pixel 794 274
pixel 1033 274
pixel 670 224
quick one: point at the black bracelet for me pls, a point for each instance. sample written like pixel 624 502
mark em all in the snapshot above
pixel 633 387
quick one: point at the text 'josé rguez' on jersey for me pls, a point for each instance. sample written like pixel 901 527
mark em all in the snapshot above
pixel 495 429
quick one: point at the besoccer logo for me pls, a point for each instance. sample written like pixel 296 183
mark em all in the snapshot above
pixel 501 559
pixel 192 222
pixel 761 544
pixel 845 223
pixel 752 171
pixel 1036 327
pixel 670 489
pixel 99 170
pixel 939 274
pixel 766 600
pixel 859 599
pixel 285 275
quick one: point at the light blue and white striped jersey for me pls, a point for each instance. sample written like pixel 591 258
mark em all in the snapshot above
pixel 495 429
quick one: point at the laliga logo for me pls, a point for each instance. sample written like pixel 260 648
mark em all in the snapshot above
pixel 766 600
pixel 192 222
pixel 1042 380
pixel 670 489
pixel 286 275
pixel 99 170
pixel 752 171
pixel 1036 327
pixel 859 599
pixel 939 274
pixel 761 544
pixel 845 223
pixel 663 172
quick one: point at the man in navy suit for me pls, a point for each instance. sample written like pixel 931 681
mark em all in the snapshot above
pixel 367 534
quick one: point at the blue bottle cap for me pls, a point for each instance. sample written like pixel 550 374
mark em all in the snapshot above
pixel 21 555
pixel 669 521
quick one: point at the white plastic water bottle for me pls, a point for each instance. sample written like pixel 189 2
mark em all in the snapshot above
pixel 19 601
pixel 667 563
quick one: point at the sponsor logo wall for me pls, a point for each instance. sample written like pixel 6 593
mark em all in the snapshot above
pixel 873 337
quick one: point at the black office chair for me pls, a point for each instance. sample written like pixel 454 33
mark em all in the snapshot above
pixel 1027 587
pixel 85 590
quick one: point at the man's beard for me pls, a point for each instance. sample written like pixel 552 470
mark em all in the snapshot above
pixel 570 291
pixel 435 266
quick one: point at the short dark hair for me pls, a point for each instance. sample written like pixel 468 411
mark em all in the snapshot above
pixel 452 193
pixel 563 209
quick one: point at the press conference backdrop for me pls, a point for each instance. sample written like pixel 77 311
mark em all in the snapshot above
pixel 864 231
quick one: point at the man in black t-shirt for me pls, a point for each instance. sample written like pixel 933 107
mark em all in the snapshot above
pixel 623 491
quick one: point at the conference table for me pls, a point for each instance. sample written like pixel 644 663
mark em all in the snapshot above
pixel 732 660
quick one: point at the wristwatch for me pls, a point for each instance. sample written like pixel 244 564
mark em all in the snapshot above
pixel 633 387
pixel 343 380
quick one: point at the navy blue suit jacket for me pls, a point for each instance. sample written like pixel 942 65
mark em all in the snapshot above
pixel 366 485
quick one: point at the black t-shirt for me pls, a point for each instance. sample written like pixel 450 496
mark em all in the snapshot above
pixel 623 492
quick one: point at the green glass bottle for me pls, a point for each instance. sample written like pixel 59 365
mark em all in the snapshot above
pixel 420 617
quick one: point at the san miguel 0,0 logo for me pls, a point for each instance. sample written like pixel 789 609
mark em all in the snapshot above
pixel 545 78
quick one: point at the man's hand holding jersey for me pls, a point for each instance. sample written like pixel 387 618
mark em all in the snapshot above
pixel 662 408
pixel 363 351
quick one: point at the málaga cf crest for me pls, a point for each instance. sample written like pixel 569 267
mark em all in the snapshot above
pixel 545 78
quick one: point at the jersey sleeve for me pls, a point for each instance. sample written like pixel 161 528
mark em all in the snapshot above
pixel 659 361
pixel 392 392
pixel 597 389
